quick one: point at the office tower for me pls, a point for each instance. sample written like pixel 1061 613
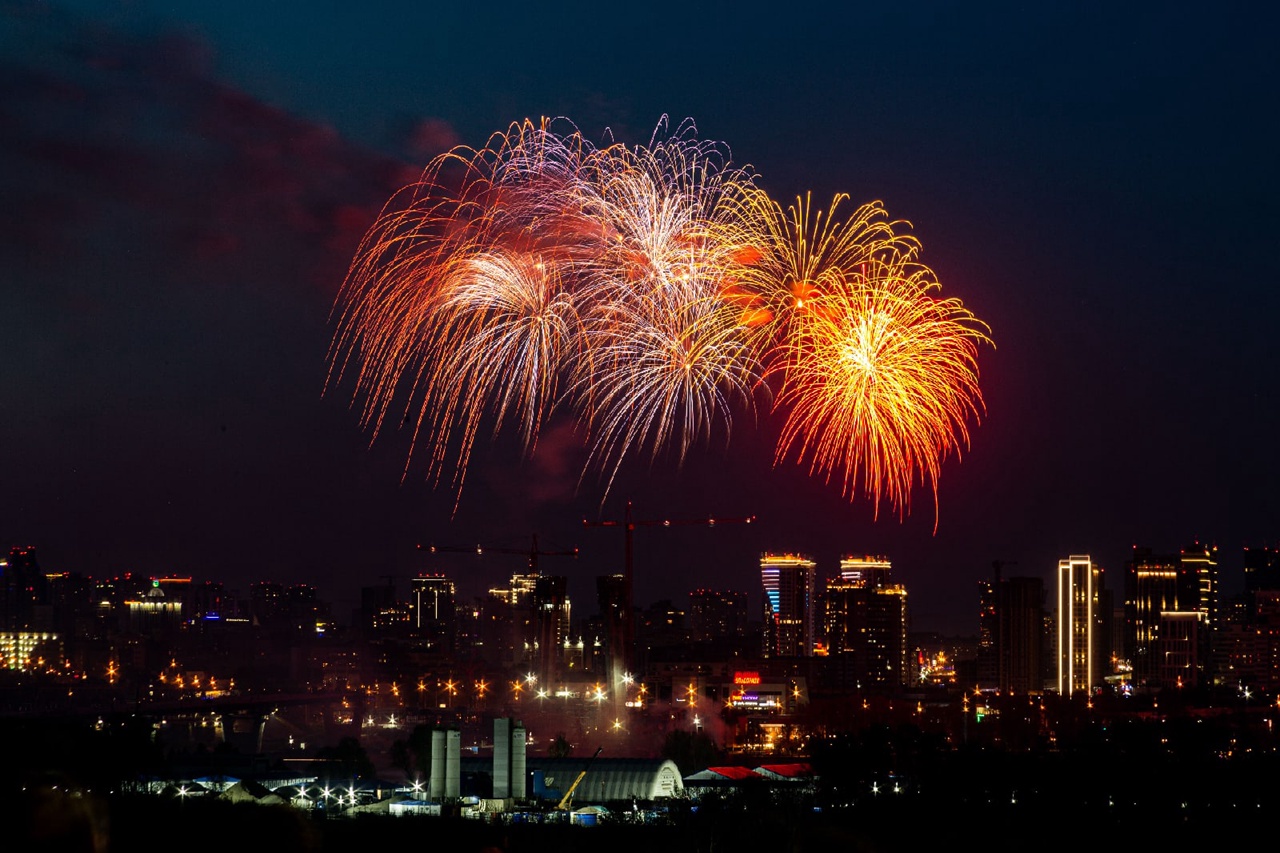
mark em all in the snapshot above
pixel 1078 581
pixel 1261 569
pixel 611 591
pixel 24 593
pixel 265 602
pixel 514 607
pixel 717 615
pixel 1198 583
pixel 1198 596
pixel 865 626
pixel 1011 636
pixel 866 571
pixel 381 614
pixel 1158 584
pixel 433 612
pixel 1151 588
pixel 209 602
pixel 1179 659
pixel 988 658
pixel 788 604
pixel 308 616
pixel 551 625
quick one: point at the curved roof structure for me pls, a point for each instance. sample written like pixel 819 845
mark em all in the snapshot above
pixel 607 779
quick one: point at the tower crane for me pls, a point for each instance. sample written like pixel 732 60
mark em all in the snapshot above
pixel 629 525
pixel 533 553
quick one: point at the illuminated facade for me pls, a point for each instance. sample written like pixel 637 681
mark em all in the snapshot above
pixel 153 612
pixel 865 626
pixel 788 581
pixel 1179 663
pixel 1199 582
pixel 28 650
pixel 434 611
pixel 1157 584
pixel 1075 624
pixel 1151 588
pixel 866 571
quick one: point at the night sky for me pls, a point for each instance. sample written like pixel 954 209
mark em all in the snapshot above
pixel 184 184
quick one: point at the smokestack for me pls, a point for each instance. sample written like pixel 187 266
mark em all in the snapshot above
pixel 435 789
pixel 453 764
pixel 518 775
pixel 501 758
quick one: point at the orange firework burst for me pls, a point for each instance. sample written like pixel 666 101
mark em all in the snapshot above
pixel 651 291
pixel 879 378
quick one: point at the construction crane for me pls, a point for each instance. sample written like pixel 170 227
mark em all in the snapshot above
pixel 566 802
pixel 629 525
pixel 533 553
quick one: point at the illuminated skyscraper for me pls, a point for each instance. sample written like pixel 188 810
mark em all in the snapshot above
pixel 1078 583
pixel 1160 584
pixel 788 604
pixel 1151 588
pixel 1198 582
pixel 865 571
pixel 865 626
pixel 434 611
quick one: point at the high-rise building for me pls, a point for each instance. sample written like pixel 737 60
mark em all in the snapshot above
pixel 551 625
pixel 618 627
pixel 1158 584
pixel 24 593
pixel 716 615
pixel 1079 583
pixel 866 571
pixel 513 609
pixel 1198 594
pixel 1198 583
pixel 1011 636
pixel 266 602
pixel 1151 588
pixel 1261 568
pixel 789 606
pixel 865 626
pixel 433 612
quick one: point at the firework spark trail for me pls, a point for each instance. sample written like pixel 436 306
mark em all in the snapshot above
pixel 666 361
pixel 880 379
pixel 651 291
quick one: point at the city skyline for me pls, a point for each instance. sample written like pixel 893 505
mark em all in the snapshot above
pixel 874 569
pixel 189 184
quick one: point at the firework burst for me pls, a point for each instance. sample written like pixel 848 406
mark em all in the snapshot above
pixel 652 292
pixel 879 379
